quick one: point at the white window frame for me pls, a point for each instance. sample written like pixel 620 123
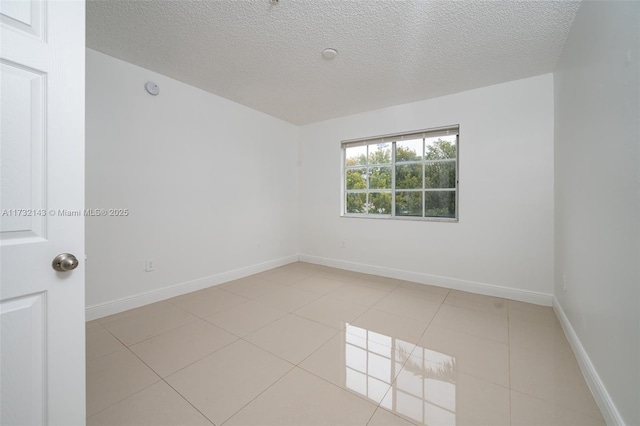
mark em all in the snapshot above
pixel 392 139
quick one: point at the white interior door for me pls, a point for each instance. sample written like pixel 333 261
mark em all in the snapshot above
pixel 42 374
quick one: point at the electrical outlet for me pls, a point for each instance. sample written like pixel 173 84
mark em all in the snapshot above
pixel 150 265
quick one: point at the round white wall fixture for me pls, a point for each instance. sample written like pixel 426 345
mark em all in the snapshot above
pixel 152 88
pixel 329 53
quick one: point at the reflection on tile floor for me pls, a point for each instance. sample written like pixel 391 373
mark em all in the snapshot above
pixel 305 344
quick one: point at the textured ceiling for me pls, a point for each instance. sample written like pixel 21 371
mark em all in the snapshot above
pixel 268 56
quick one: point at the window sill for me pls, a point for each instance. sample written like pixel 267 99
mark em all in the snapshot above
pixel 402 218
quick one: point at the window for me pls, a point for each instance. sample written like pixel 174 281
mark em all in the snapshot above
pixel 409 175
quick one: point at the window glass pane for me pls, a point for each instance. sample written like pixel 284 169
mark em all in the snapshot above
pixel 356 202
pixel 408 203
pixel 410 150
pixel 440 175
pixel 380 153
pixel 440 203
pixel 356 155
pixel 380 203
pixel 409 176
pixel 380 177
pixel 356 178
pixel 440 147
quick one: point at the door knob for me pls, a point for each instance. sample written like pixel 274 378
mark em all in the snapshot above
pixel 64 262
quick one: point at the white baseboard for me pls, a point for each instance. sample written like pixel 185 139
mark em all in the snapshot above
pixel 116 306
pixel 446 282
pixel 603 399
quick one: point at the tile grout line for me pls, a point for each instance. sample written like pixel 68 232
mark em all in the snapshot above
pixel 104 355
pixel 564 407
pixel 127 347
pixel 234 334
pixel 554 403
pixel 136 392
pixel 305 358
pixel 369 308
pixel 167 383
pixel 157 374
pixel 376 406
pixel 285 360
pixel 405 362
pixel 476 310
pixel 196 318
pixel 194 362
pixel 253 331
pixel 189 402
pixel 125 398
pixel 258 395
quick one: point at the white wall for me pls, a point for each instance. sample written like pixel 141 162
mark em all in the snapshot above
pixel 505 234
pixel 598 200
pixel 206 180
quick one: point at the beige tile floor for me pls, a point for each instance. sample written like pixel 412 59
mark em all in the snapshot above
pixel 305 344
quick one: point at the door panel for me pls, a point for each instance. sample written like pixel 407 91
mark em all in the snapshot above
pixel 22 146
pixel 24 15
pixel 23 398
